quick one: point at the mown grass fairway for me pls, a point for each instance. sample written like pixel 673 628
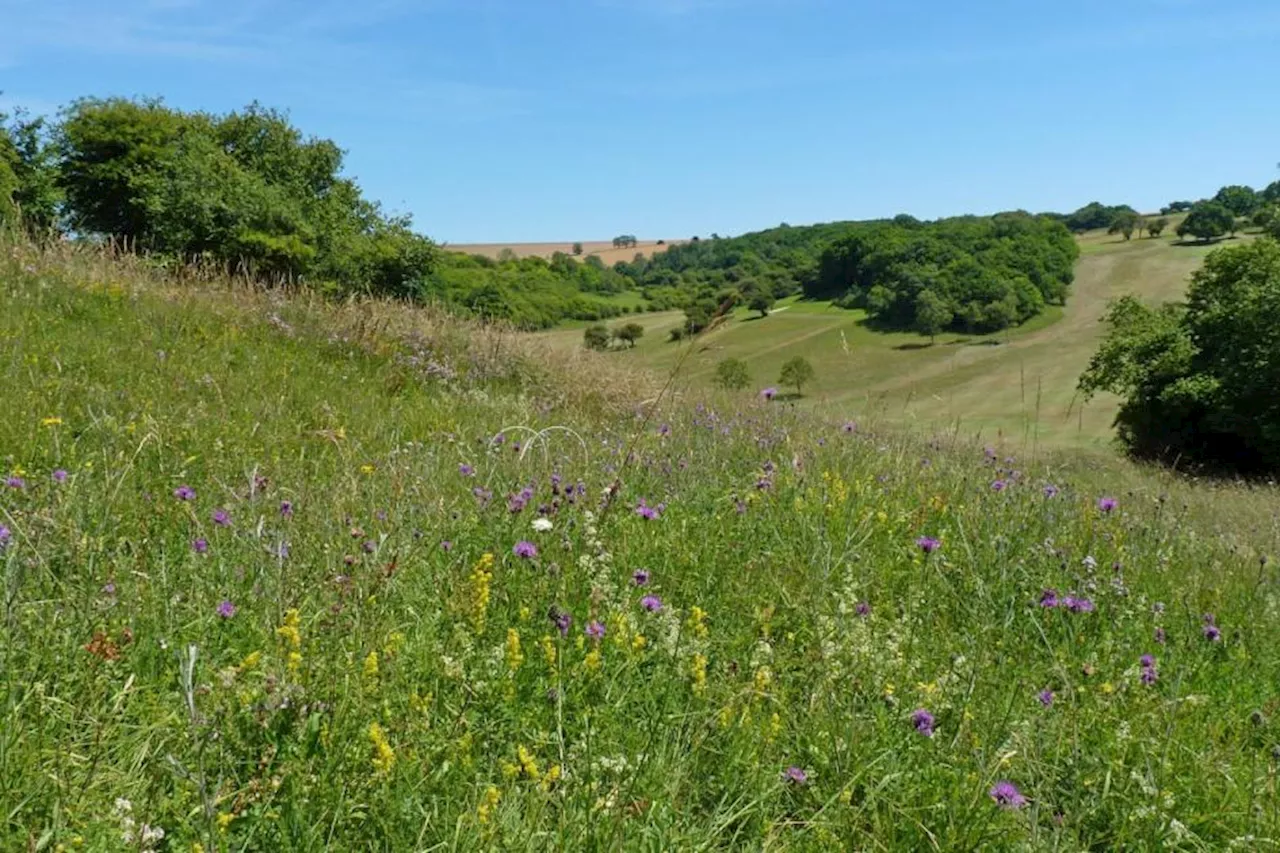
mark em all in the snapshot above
pixel 602 249
pixel 1021 385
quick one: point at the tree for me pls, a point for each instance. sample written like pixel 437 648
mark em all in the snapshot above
pixel 1197 380
pixel 932 314
pixel 577 248
pixel 762 302
pixel 1239 199
pixel 1176 207
pixel 1124 223
pixel 1156 226
pixel 732 375
pixel 1206 221
pixel 629 333
pixel 596 337
pixel 28 174
pixel 798 372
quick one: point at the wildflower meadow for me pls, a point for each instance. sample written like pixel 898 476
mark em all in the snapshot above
pixel 283 576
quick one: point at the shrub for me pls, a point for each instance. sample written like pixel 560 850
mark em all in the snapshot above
pixel 732 374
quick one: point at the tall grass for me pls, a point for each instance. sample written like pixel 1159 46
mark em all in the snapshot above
pixel 272 580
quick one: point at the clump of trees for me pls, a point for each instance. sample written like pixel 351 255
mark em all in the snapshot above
pixel 1094 215
pixel 732 374
pixel 625 241
pixel 1206 221
pixel 982 273
pixel 1198 379
pixel 600 337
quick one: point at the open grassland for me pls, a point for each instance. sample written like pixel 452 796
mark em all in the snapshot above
pixel 285 575
pixel 603 249
pixel 1018 385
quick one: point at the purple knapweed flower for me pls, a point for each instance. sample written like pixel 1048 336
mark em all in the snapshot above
pixel 221 518
pixel 446 546
pixel 795 776
pixel 226 609
pixel 109 588
pixel 849 428
pixel 769 393
pixel 999 486
pixel 1160 636
pixel 651 603
pixel 1146 660
pixel 1211 633
pixel 928 544
pixel 563 620
pixel 15 482
pixel 200 546
pixel 640 577
pixel 5 535
pixel 1107 504
pixel 525 549
pixel 1149 674
pixel 923 721
pixel 862 608
pixel 1050 491
pixel 1007 795
pixel 1045 697
pixel 466 470
pixel 595 629
pixel 1049 598
pixel 1078 605
pixel 648 512
pixel 184 493
pixel 60 476
pixel 286 509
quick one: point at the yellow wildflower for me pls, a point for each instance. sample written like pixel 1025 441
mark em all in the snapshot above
pixel 51 422
pixel 593 660
pixel 553 776
pixel 250 661
pixel 371 666
pixel 289 630
pixel 224 820
pixel 775 727
pixel 698 669
pixel 515 656
pixel 367 469
pixel 528 764
pixel 384 757
pixel 481 590
pixel 548 650
pixel 295 661
pixel 639 641
pixel 698 621
pixel 763 679
pixel 488 803
pixel 395 642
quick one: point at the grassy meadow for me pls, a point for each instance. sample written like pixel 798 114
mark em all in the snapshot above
pixel 287 575
pixel 1019 385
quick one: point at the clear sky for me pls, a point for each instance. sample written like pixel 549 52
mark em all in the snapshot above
pixel 533 120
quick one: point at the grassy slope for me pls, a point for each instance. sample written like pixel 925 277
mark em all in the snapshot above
pixel 1020 385
pixel 775 525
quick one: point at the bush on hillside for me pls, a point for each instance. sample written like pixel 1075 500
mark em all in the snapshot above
pixel 1198 380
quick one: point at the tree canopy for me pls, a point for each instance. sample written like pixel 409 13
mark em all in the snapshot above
pixel 1207 220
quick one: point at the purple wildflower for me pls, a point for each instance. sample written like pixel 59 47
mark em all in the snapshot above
pixel 184 493
pixel 226 609
pixel 370 546
pixel 5 535
pixel 200 546
pixel 562 620
pixel 1211 633
pixel 483 495
pixel 769 393
pixel 595 629
pixel 651 603
pixel 109 588
pixel 1147 660
pixel 928 544
pixel 1149 674
pixel 466 470
pixel 221 518
pixel 999 486
pixel 923 721
pixel 60 476
pixel 286 509
pixel 1160 636
pixel 1050 491
pixel 1007 795
pixel 849 427
pixel 525 549
pixel 1107 504
pixel 795 776
pixel 1046 697
pixel 446 546
pixel 640 577
pixel 281 551
pixel 862 608
pixel 1049 598
pixel 648 512
pixel 16 482
pixel 1078 605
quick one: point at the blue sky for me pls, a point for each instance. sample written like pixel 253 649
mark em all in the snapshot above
pixel 531 120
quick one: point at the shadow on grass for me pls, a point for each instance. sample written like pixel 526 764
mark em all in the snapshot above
pixel 786 397
pixel 1201 243
pixel 909 347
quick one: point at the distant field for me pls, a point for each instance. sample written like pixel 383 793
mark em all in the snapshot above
pixel 1020 385
pixel 601 248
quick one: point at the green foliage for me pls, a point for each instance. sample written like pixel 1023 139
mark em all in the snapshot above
pixel 796 372
pixel 629 333
pixel 1155 227
pixel 1240 200
pixel 1199 380
pixel 932 314
pixel 1125 222
pixel 1206 221
pixel 577 248
pixel 1176 207
pixel 596 337
pixel 624 241
pixel 1095 215
pixel 28 176
pixel 990 272
pixel 732 374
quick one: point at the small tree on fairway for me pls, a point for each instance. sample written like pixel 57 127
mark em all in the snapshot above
pixel 577 248
pixel 1206 221
pixel 629 334
pixel 731 375
pixel 932 314
pixel 796 372
pixel 1125 223
pixel 596 337
pixel 1156 226
pixel 761 301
